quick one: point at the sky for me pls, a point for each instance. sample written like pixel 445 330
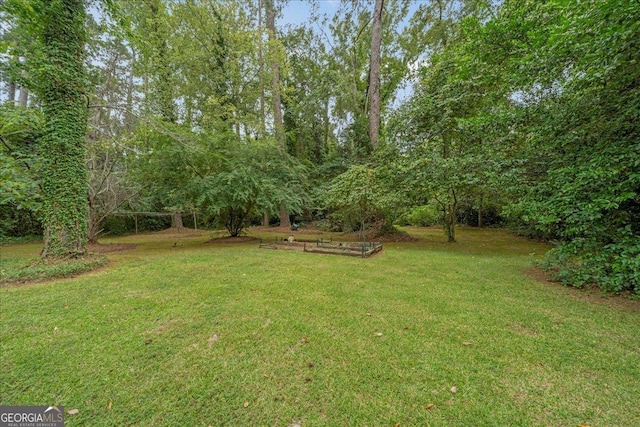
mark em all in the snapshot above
pixel 296 11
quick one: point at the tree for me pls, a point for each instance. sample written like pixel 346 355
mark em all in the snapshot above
pixel 251 178
pixel 450 155
pixel 579 112
pixel 373 92
pixel 366 196
pixel 278 121
pixel 559 104
pixel 58 79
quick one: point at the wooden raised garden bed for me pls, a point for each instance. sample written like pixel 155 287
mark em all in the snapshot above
pixel 357 249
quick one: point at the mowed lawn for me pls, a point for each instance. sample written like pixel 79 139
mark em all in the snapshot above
pixel 179 332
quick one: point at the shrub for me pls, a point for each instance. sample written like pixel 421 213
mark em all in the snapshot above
pixel 423 216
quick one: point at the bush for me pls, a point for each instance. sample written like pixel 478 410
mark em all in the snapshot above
pixel 422 216
pixel 614 267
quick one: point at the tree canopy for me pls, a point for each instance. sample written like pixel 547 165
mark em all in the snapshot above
pixel 521 114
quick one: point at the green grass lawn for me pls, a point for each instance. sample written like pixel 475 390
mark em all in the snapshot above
pixel 202 334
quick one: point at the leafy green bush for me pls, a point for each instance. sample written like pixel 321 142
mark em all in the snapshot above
pixel 615 267
pixel 422 216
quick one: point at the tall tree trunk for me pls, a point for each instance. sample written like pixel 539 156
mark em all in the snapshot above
pixel 94 223
pixel 12 91
pixel 24 97
pixel 65 113
pixel 129 118
pixel 374 76
pixel 450 217
pixel 262 126
pixel 261 74
pixel 278 121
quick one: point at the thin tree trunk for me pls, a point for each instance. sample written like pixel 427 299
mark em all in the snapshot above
pixel 261 74
pixel 24 97
pixel 450 218
pixel 278 122
pixel 94 225
pixel 374 76
pixel 480 212
pixel 326 126
pixel 284 216
pixel 12 92
pixel 130 87
pixel 266 219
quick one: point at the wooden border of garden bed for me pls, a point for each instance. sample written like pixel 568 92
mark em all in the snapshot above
pixel 355 249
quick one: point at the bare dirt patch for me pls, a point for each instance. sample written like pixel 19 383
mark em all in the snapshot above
pixel 231 240
pixel 178 230
pixel 107 248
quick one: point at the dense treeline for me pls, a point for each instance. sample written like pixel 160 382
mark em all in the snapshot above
pixel 522 114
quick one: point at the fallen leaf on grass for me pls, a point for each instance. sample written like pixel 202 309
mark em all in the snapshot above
pixel 369 314
pixel 213 339
pixel 379 334
pixel 429 406
pixel 109 406
pixel 466 343
pixel 454 389
pixel 245 404
pixel 148 341
pixel 397 425
pixel 307 380
pixel 56 329
pixel 305 340
pixel 73 412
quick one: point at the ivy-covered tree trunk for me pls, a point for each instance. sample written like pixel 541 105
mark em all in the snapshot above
pixel 64 105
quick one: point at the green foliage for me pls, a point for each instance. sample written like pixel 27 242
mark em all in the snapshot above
pixel 539 102
pixel 20 129
pixel 422 216
pixel 365 194
pixel 447 136
pixel 580 173
pixel 251 179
